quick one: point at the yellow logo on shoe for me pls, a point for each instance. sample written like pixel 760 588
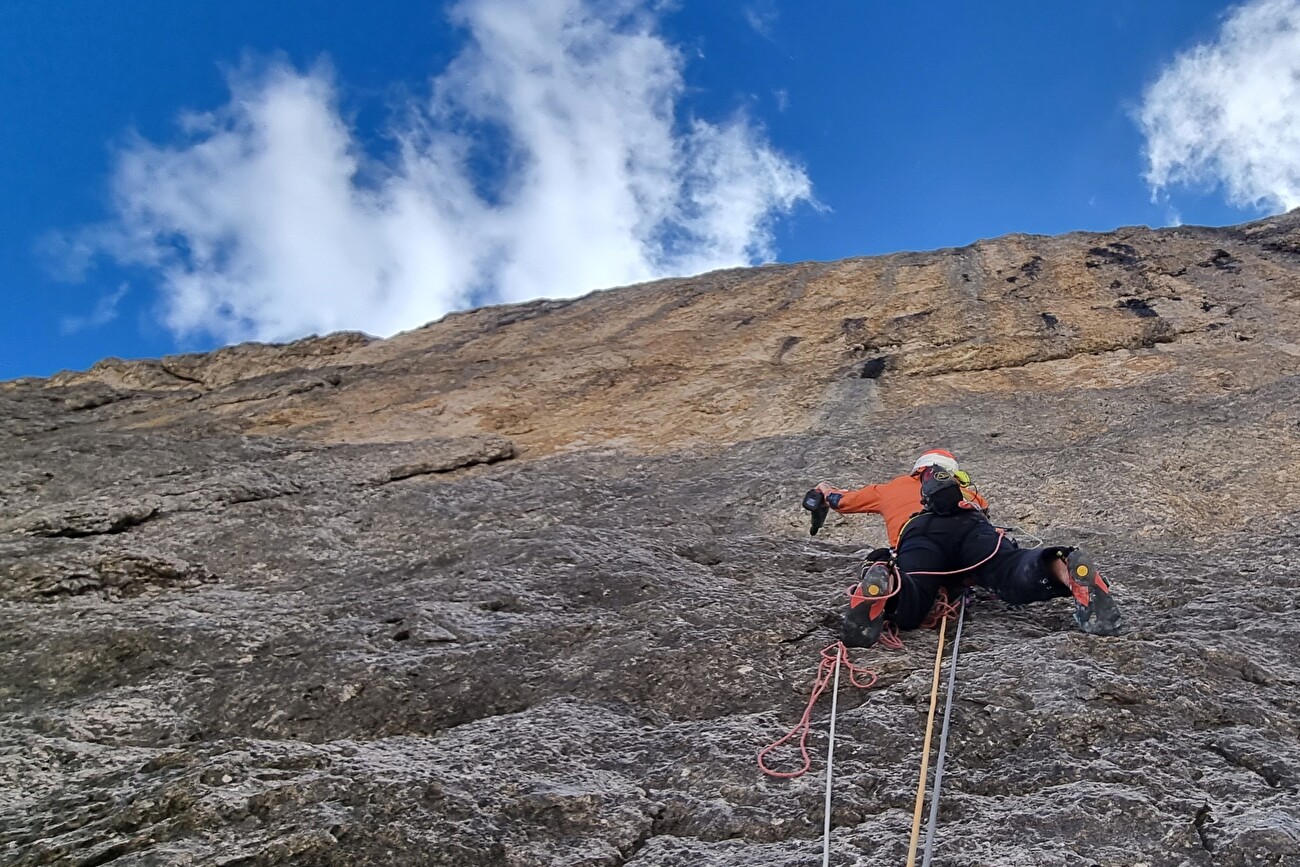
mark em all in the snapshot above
pixel 1081 571
pixel 873 589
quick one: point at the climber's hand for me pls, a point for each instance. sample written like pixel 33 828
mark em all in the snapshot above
pixel 831 493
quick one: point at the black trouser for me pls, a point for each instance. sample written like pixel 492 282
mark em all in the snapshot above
pixel 946 543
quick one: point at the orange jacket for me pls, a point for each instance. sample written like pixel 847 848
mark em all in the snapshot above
pixel 896 500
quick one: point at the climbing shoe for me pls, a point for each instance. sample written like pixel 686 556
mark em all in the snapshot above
pixel 1094 607
pixel 866 615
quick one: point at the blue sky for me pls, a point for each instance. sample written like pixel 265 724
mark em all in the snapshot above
pixel 174 176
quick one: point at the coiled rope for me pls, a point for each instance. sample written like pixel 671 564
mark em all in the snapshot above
pixel 832 656
pixel 828 673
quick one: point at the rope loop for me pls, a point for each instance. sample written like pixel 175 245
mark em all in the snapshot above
pixel 862 678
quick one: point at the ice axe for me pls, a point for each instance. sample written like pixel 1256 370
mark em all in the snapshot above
pixel 815 502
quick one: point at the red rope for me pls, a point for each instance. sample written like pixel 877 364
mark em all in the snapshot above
pixel 942 607
pixel 830 658
pixel 825 671
pixel 1001 535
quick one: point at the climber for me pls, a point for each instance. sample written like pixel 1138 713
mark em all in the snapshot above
pixel 937 523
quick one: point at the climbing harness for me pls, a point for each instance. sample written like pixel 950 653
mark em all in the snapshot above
pixel 1002 534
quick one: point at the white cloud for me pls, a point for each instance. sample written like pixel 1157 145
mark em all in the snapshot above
pixel 762 16
pixel 270 221
pixel 105 312
pixel 1228 113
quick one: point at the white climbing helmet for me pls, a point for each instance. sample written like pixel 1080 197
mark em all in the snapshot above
pixel 936 458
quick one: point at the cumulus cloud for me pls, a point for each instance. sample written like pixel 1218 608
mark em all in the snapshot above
pixel 548 160
pixel 1227 114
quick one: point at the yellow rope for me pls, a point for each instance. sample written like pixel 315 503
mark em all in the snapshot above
pixel 925 756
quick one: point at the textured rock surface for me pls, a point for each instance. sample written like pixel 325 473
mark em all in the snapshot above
pixel 530 585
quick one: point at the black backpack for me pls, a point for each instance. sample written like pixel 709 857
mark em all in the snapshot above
pixel 941 492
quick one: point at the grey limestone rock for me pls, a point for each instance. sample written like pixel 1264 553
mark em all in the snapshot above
pixel 531 586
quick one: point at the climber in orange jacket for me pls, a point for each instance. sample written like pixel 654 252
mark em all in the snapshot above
pixel 940 536
pixel 900 498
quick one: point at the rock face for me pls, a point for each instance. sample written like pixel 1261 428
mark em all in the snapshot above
pixel 530 585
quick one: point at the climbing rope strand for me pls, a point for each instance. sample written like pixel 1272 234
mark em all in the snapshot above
pixel 941 609
pixel 1021 531
pixel 889 636
pixel 925 755
pixel 830 757
pixel 894 584
pixel 1001 535
pixel 943 739
pixel 832 656
pixel 828 674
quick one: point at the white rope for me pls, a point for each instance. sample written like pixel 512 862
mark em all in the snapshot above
pixel 830 756
pixel 1020 532
pixel 943 741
